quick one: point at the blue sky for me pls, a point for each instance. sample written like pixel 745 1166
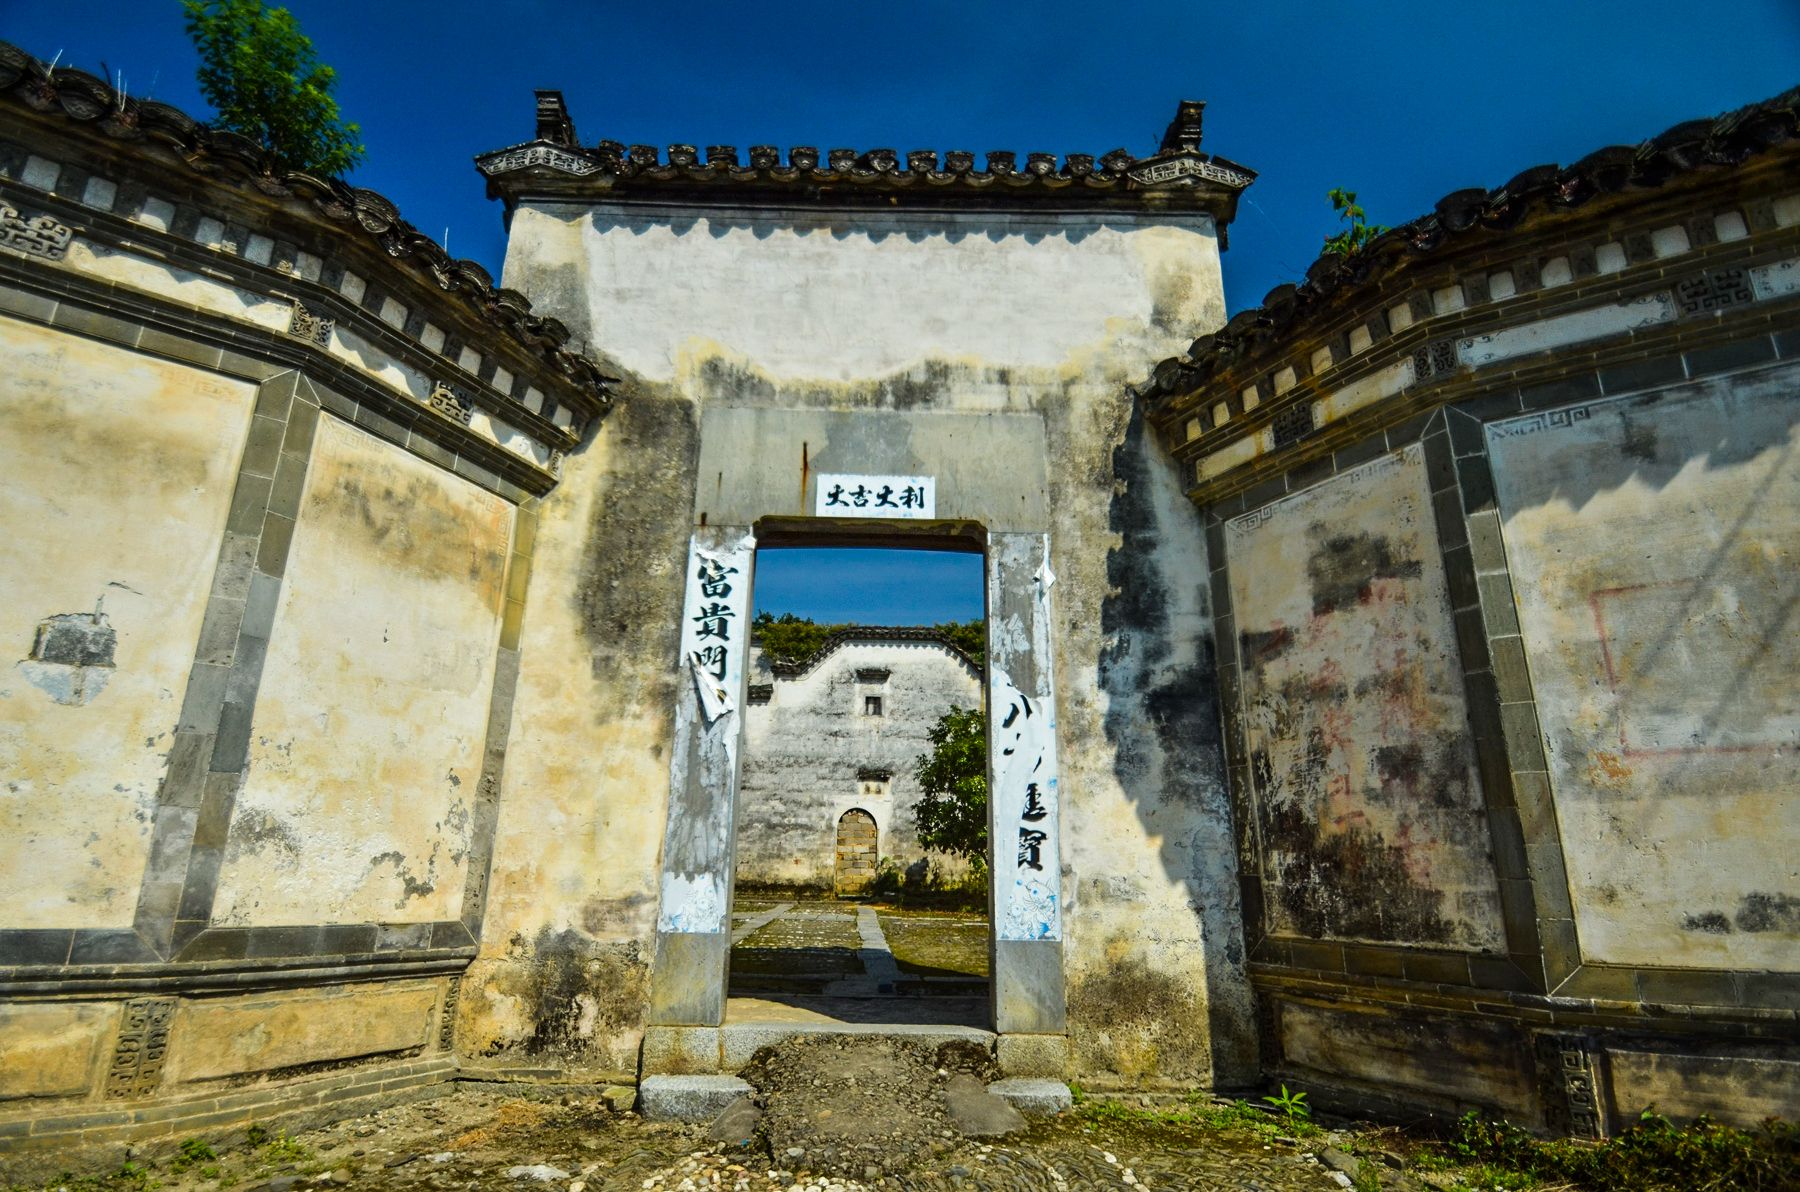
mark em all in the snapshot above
pixel 877 587
pixel 1401 102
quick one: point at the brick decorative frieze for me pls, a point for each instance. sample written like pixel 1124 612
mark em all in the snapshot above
pixel 1292 425
pixel 313 329
pixel 447 1022
pixel 1715 289
pixel 139 1051
pixel 451 403
pixel 1548 420
pixel 1566 1070
pixel 546 157
pixel 34 236
pixel 1435 359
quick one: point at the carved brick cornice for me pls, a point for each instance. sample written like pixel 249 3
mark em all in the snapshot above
pixel 1177 177
pixel 227 161
pixel 1470 219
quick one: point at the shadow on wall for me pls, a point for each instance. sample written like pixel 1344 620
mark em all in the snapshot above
pixel 1651 543
pixel 1162 722
pixel 867 225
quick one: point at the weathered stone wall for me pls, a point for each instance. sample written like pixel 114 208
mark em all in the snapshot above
pixel 371 721
pixel 264 467
pixel 1369 817
pixel 1653 544
pixel 1575 611
pixel 877 342
pixel 100 447
pixel 804 749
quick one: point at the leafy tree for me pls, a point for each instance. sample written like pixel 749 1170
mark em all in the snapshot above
pixel 258 71
pixel 788 638
pixel 792 639
pixel 952 812
pixel 1359 232
pixel 968 636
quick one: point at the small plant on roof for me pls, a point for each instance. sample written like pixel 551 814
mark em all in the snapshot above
pixel 1359 232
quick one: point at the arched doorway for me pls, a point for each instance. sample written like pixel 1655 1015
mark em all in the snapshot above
pixel 857 853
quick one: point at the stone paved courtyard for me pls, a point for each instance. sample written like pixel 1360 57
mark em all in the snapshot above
pixel 825 960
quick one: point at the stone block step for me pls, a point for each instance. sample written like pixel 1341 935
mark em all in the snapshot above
pixel 1034 1097
pixel 688 1098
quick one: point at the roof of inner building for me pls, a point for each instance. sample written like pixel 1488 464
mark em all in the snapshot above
pixel 861 634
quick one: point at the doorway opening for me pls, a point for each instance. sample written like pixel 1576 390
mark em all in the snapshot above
pixel 862 889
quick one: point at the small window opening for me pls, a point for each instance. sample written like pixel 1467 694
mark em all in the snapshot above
pixel 871 705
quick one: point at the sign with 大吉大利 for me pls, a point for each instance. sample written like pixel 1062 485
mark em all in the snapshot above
pixel 876 496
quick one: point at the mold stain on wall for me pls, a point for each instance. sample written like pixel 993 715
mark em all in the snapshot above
pixel 372 715
pixel 1370 818
pixel 572 902
pixel 1162 723
pixel 103 593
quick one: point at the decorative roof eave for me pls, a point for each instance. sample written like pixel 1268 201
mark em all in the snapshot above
pixel 1177 177
pixel 871 633
pixel 228 160
pixel 1538 194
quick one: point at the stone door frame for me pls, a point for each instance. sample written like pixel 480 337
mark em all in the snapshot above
pixel 693 939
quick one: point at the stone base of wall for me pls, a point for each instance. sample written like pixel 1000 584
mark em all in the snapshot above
pixel 1587 1079
pixel 83 1076
pixel 40 1146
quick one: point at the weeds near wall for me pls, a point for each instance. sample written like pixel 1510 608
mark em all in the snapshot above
pixel 1655 1155
pixel 1292 1105
pixel 1479 1154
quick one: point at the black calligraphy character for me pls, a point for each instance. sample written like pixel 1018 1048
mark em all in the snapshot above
pixel 912 497
pixel 714 621
pixel 712 660
pixel 885 498
pixel 1012 714
pixel 859 496
pixel 1031 849
pixel 836 496
pixel 1034 804
pixel 712 578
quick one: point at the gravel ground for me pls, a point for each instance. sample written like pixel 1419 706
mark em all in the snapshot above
pixel 480 1138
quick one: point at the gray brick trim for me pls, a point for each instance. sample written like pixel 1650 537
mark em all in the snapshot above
pixel 317 290
pixel 195 803
pixel 188 334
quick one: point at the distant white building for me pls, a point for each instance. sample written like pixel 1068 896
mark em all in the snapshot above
pixel 829 750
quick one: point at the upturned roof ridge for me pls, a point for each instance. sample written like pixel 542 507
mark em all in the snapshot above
pixel 1178 164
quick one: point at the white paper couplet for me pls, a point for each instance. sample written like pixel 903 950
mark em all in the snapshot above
pixel 715 631
pixel 845 495
pixel 715 624
pixel 1027 857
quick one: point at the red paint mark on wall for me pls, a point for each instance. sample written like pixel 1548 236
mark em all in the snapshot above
pixel 1626 677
